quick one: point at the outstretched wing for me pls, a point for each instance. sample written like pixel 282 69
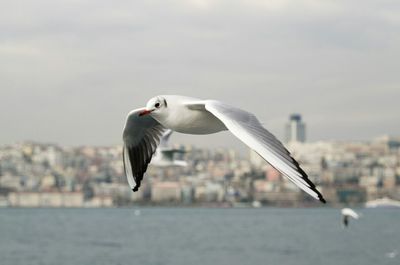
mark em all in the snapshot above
pixel 248 129
pixel 350 212
pixel 141 137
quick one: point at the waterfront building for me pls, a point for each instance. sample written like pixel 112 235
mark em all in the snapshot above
pixel 295 129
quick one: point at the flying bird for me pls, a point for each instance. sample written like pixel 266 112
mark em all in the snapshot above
pixel 346 214
pixel 145 126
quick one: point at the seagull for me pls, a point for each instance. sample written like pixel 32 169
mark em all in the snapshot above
pixel 164 155
pixel 145 126
pixel 346 214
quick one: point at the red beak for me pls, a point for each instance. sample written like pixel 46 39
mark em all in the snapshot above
pixel 144 112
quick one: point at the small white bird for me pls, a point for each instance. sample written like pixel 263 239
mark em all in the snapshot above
pixel 346 214
pixel 164 155
pixel 145 126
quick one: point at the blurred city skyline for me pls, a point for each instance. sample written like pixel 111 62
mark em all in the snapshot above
pixel 38 174
pixel 70 71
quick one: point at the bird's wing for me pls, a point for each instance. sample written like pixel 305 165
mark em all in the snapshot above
pixel 141 137
pixel 345 220
pixel 248 129
pixel 350 212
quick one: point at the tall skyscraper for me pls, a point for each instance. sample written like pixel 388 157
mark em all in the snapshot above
pixel 295 129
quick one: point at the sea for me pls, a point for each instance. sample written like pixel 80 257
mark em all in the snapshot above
pixel 182 236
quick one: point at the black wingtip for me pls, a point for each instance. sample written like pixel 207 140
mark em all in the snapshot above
pixel 321 199
pixel 135 189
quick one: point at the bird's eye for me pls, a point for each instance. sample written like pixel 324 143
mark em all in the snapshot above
pixel 157 105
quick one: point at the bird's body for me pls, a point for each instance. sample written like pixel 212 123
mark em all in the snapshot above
pixel 145 126
pixel 346 214
pixel 189 120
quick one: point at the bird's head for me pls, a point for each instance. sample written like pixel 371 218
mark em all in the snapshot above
pixel 154 105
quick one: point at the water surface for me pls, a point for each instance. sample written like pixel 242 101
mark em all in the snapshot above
pixel 179 236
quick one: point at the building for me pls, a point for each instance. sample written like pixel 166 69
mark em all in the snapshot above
pixel 45 199
pixel 167 191
pixel 295 129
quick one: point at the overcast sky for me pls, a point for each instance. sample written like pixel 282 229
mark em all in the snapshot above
pixel 70 71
